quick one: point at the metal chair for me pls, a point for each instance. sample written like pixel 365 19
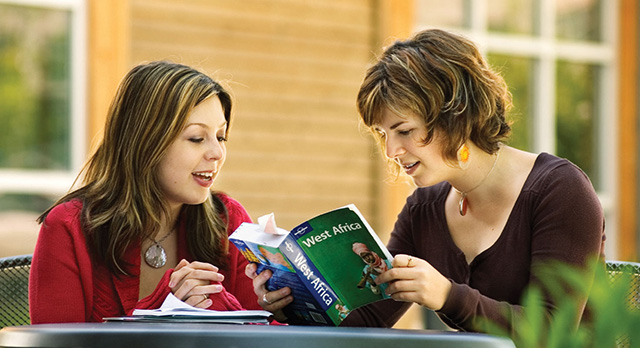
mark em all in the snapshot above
pixel 14 290
pixel 615 269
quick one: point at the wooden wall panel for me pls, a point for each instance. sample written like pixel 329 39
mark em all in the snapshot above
pixel 296 147
pixel 108 54
pixel 628 131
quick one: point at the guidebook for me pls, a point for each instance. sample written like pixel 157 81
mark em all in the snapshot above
pixel 329 262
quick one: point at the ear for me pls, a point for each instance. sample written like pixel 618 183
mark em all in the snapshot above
pixel 463 156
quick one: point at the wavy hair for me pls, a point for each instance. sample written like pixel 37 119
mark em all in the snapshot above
pixel 120 191
pixel 443 79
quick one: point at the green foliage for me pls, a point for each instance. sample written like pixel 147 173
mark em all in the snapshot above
pixel 517 72
pixel 613 304
pixel 35 85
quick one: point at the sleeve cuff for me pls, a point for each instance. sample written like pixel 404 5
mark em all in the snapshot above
pixel 459 305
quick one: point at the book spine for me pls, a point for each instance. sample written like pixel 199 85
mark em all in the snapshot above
pixel 309 274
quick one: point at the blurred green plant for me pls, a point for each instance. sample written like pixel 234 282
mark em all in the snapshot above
pixel 613 305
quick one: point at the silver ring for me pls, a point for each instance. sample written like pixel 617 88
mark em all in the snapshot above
pixel 264 298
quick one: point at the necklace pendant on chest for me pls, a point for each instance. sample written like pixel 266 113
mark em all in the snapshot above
pixel 463 205
pixel 155 256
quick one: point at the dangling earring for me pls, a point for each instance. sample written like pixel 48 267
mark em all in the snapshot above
pixel 463 156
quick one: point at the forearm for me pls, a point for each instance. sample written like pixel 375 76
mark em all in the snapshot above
pixel 383 313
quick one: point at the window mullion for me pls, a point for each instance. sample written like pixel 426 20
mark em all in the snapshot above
pixel 478 16
pixel 78 83
pixel 544 126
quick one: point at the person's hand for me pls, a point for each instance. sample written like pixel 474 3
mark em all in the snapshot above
pixel 191 282
pixel 414 280
pixel 272 301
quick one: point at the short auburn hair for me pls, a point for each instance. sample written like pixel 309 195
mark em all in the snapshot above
pixel 443 79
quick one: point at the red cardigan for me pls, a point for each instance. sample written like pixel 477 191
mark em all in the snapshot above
pixel 64 286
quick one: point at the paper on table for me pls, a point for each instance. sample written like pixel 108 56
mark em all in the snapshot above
pixel 175 311
pixel 172 302
pixel 173 307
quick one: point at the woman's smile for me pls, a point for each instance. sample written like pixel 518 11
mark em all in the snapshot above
pixel 204 178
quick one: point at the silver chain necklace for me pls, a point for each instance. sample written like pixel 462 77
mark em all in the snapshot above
pixel 156 256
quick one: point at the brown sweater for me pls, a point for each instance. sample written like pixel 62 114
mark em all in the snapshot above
pixel 557 216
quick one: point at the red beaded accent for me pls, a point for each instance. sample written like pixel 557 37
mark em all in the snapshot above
pixel 463 205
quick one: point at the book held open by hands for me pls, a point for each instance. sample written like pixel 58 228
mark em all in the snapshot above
pixel 330 263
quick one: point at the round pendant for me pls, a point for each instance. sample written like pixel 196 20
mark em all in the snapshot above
pixel 155 256
pixel 462 206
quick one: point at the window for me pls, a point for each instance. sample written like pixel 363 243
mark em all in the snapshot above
pixel 559 60
pixel 42 112
pixel 42 109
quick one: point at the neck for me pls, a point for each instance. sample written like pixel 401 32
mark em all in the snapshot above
pixel 478 173
pixel 168 223
pixel 463 203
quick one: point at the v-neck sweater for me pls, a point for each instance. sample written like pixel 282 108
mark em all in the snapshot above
pixel 65 286
pixel 557 216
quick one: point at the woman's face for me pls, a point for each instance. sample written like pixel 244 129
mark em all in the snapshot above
pixel 403 139
pixel 195 158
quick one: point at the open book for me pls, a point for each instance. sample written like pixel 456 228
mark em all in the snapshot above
pixel 174 310
pixel 329 262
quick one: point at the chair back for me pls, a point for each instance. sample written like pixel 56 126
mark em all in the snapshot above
pixel 14 290
pixel 615 269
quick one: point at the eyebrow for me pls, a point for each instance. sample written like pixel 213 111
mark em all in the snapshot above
pixel 396 125
pixel 222 125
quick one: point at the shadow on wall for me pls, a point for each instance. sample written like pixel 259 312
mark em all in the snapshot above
pixel 18 232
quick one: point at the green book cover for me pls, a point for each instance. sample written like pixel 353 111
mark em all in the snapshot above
pixel 329 262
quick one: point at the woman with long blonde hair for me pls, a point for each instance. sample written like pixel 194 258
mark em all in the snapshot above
pixel 144 222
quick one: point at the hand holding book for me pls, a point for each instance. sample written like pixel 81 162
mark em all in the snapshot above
pixel 273 301
pixel 329 265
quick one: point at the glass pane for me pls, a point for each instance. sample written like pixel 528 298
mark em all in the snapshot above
pixel 518 73
pixel 18 226
pixel 434 13
pixel 10 202
pixel 576 116
pixel 35 87
pixel 578 20
pixel 511 16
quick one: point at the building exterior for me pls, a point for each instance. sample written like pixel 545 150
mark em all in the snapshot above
pixel 294 66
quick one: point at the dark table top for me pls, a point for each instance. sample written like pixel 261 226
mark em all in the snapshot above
pixel 158 335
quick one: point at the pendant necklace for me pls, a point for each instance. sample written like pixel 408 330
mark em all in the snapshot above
pixel 463 204
pixel 156 256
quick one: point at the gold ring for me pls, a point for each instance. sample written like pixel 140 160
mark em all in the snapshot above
pixel 409 261
pixel 205 297
pixel 264 299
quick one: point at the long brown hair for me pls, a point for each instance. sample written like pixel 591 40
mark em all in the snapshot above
pixel 443 79
pixel 122 200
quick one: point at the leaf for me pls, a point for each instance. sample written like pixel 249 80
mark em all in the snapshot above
pixel 615 320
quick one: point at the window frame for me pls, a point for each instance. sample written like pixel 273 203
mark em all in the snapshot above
pixel 545 50
pixel 57 182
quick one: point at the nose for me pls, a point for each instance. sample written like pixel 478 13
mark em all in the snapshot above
pixel 215 152
pixel 393 148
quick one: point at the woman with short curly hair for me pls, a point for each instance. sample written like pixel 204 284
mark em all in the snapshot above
pixel 485 217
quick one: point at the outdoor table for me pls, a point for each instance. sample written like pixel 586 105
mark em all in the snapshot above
pixel 185 335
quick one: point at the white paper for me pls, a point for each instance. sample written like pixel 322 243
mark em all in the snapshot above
pixel 268 225
pixel 172 306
